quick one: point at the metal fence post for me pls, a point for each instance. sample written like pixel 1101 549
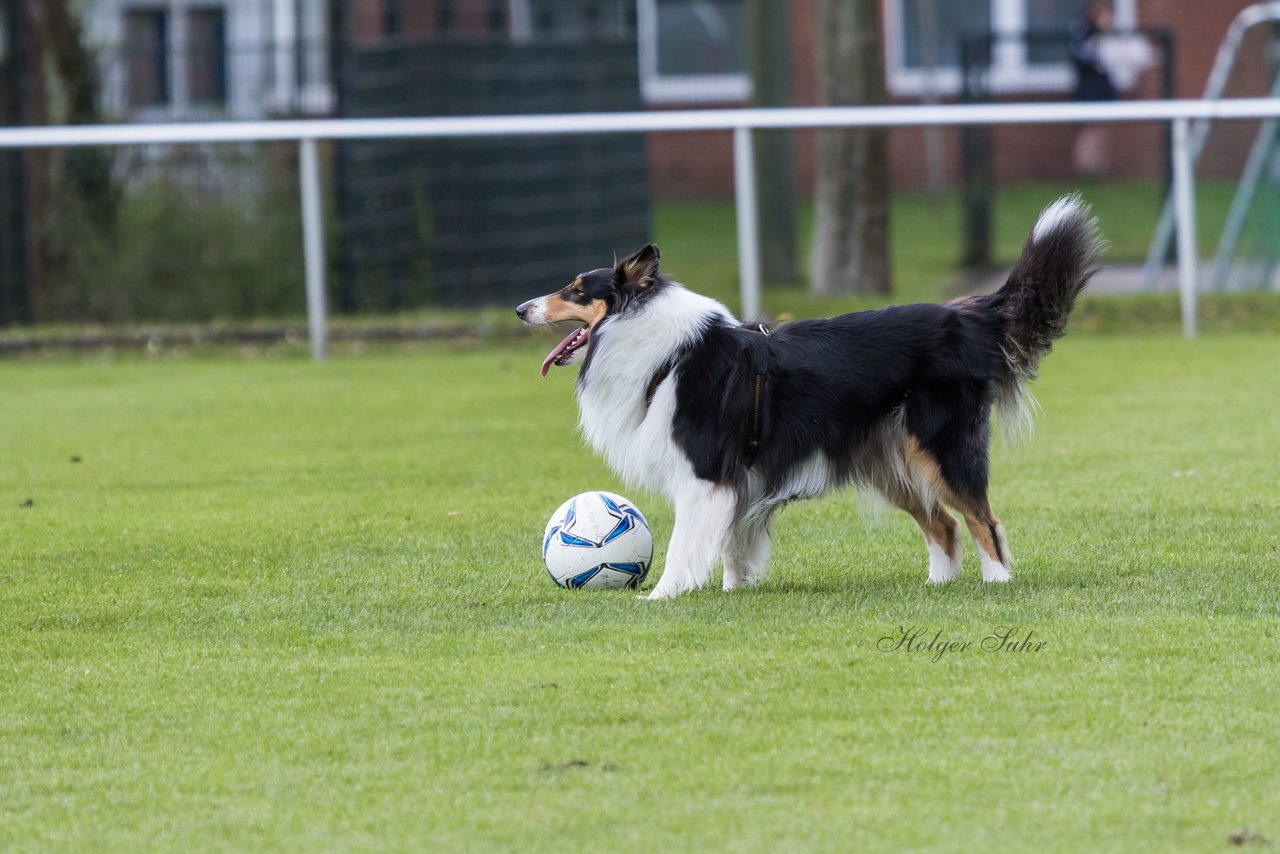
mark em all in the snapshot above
pixel 313 245
pixel 1185 216
pixel 744 175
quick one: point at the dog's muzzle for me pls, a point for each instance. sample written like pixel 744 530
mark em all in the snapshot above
pixel 531 311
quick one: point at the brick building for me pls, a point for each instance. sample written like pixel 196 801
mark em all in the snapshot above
pixel 690 54
pixel 701 165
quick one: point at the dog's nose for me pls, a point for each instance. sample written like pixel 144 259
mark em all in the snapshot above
pixel 522 309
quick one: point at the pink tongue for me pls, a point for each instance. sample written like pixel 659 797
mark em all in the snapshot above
pixel 560 348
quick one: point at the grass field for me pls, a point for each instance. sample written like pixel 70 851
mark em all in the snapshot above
pixel 260 605
pixel 699 247
pixel 926 235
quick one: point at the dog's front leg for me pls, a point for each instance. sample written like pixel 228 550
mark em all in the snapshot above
pixel 704 512
pixel 746 552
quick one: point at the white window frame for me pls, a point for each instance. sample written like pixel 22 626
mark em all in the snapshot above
pixel 315 97
pixel 173 49
pixel 1010 71
pixel 679 88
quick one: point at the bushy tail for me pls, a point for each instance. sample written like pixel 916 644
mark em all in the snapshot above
pixel 1058 259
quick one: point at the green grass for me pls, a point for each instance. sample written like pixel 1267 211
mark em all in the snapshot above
pixel 699 247
pixel 277 605
pixel 698 240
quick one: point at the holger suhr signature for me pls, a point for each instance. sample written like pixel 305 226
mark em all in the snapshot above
pixel 935 645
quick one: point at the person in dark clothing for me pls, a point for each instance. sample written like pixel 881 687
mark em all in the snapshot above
pixel 1093 83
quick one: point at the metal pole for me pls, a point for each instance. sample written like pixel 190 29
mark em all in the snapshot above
pixel 744 173
pixel 641 121
pixel 313 245
pixel 1219 76
pixel 1185 216
pixel 1259 156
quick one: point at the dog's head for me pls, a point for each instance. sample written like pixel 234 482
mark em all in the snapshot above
pixel 589 299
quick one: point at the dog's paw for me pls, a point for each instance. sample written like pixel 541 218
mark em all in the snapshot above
pixel 942 566
pixel 996 575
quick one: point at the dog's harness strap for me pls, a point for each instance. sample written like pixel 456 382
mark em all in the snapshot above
pixel 658 376
pixel 760 371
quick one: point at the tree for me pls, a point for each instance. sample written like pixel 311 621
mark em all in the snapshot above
pixel 75 195
pixel 75 72
pixel 769 34
pixel 851 196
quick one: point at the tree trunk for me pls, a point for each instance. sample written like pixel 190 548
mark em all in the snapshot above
pixel 38 165
pixel 87 170
pixel 77 225
pixel 851 196
pixel 769 30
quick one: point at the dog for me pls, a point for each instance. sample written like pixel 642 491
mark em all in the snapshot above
pixel 731 421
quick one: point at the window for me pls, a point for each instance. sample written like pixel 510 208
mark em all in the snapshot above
pixel 932 31
pixel 581 20
pixel 147 56
pixel 295 53
pixel 313 65
pixel 693 50
pixel 1049 16
pixel 314 26
pixel 1017 65
pixel 207 56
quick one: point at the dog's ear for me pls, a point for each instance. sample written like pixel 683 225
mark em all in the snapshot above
pixel 640 270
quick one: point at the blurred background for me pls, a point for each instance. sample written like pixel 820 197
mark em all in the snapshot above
pixel 199 233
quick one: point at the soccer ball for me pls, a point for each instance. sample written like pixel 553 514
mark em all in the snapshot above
pixel 597 540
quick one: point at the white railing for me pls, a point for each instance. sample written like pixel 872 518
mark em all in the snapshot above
pixel 1248 18
pixel 740 122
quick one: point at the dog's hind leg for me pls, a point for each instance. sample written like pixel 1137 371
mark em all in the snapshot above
pixel 746 551
pixel 704 514
pixel 941 533
pixel 988 538
pixel 918 492
pixel 942 538
pixel 984 527
pixel 956 466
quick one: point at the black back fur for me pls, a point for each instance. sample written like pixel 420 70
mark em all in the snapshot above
pixel 834 383
pixel 840 385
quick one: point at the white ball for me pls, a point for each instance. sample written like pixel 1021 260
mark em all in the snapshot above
pixel 597 540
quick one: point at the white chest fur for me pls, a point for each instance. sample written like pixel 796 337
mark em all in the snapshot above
pixel 636 440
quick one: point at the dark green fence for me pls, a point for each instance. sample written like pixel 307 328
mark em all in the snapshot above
pixel 474 221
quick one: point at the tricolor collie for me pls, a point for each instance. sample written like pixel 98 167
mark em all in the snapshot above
pixel 731 421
